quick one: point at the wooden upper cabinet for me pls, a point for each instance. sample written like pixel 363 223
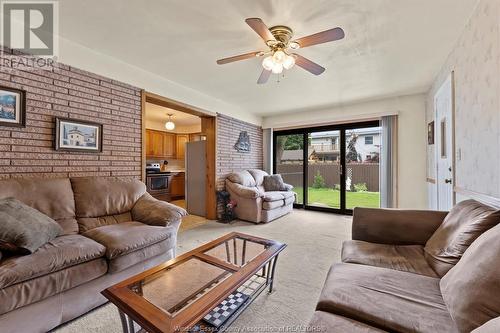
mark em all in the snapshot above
pixel 160 144
pixel 157 143
pixel 169 145
pixel 182 139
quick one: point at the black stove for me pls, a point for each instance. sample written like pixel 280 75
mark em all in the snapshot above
pixel 158 172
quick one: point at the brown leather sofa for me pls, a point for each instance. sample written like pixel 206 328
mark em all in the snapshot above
pixel 254 204
pixel 391 281
pixel 112 229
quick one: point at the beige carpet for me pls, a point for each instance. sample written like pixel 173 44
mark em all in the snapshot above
pixel 314 241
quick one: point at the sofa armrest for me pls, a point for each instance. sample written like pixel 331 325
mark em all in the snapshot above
pixel 243 191
pixel 149 210
pixel 395 226
pixel 288 187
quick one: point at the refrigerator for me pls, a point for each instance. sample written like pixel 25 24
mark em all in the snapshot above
pixel 195 183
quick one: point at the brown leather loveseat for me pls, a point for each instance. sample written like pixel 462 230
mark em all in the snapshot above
pixel 416 271
pixel 112 229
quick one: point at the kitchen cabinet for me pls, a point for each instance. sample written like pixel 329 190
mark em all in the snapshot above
pixel 177 185
pixel 181 140
pixel 160 144
pixel 163 145
pixel 169 145
pixel 155 146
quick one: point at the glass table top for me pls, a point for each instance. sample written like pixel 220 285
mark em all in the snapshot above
pixel 237 251
pixel 175 288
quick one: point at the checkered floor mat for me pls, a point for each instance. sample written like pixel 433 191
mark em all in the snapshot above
pixel 218 316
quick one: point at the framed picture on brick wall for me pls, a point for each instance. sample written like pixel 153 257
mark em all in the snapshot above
pixel 12 107
pixel 78 135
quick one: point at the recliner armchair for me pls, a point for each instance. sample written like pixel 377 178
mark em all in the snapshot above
pixel 254 204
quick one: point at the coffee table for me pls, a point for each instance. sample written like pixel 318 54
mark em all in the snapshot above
pixel 177 295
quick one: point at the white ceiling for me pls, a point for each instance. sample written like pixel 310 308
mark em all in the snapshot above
pixel 157 113
pixel 392 47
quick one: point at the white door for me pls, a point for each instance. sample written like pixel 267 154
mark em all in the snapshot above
pixel 443 104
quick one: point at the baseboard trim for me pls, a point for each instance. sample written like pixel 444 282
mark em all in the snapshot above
pixel 481 197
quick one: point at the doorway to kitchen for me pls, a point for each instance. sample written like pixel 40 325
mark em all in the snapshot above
pixel 332 168
pixel 178 154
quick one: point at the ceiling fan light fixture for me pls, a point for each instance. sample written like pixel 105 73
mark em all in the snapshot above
pixel 277 68
pixel 169 125
pixel 289 62
pixel 268 63
pixel 279 56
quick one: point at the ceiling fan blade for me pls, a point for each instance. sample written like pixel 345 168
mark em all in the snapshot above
pixel 321 37
pixel 260 28
pixel 237 58
pixel 308 65
pixel 264 76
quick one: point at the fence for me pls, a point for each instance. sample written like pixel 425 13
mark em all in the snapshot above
pixel 367 173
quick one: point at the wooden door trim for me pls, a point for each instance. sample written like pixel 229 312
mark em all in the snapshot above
pixel 143 136
pixel 210 132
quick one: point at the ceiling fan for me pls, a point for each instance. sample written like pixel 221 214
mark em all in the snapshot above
pixel 280 55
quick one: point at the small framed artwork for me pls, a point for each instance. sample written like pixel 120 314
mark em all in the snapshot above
pixel 78 135
pixel 430 133
pixel 12 107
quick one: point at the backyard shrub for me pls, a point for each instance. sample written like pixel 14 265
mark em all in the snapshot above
pixel 319 181
pixel 360 187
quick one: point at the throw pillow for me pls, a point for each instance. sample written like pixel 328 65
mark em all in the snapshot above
pixel 24 229
pixel 274 183
pixel 463 224
pixel 470 289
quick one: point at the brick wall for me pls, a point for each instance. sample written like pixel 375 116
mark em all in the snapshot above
pixel 228 159
pixel 71 93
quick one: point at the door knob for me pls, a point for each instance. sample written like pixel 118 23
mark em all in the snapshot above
pixel 447 181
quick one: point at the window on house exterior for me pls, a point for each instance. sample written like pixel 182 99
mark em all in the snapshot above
pixel 368 140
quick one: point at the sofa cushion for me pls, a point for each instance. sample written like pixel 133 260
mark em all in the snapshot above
pixel 44 286
pixel 121 263
pixel 125 238
pixel 406 258
pixel 268 205
pixel 24 227
pixel 243 178
pixel 89 223
pixel 258 175
pixel 52 197
pixel 464 223
pixel 385 298
pixel 274 183
pixel 277 195
pixel 471 289
pixel 329 322
pixel 56 255
pixel 96 197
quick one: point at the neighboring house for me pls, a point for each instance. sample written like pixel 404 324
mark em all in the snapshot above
pixel 324 146
pixel 292 156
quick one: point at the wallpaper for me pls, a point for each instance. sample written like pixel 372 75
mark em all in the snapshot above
pixel 475 61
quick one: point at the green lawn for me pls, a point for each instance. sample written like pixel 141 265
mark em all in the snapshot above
pixel 331 198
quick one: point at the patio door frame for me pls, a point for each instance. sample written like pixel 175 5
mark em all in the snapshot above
pixel 305 131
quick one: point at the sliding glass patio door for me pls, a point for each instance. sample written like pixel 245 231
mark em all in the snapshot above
pixel 324 169
pixel 289 161
pixel 332 168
